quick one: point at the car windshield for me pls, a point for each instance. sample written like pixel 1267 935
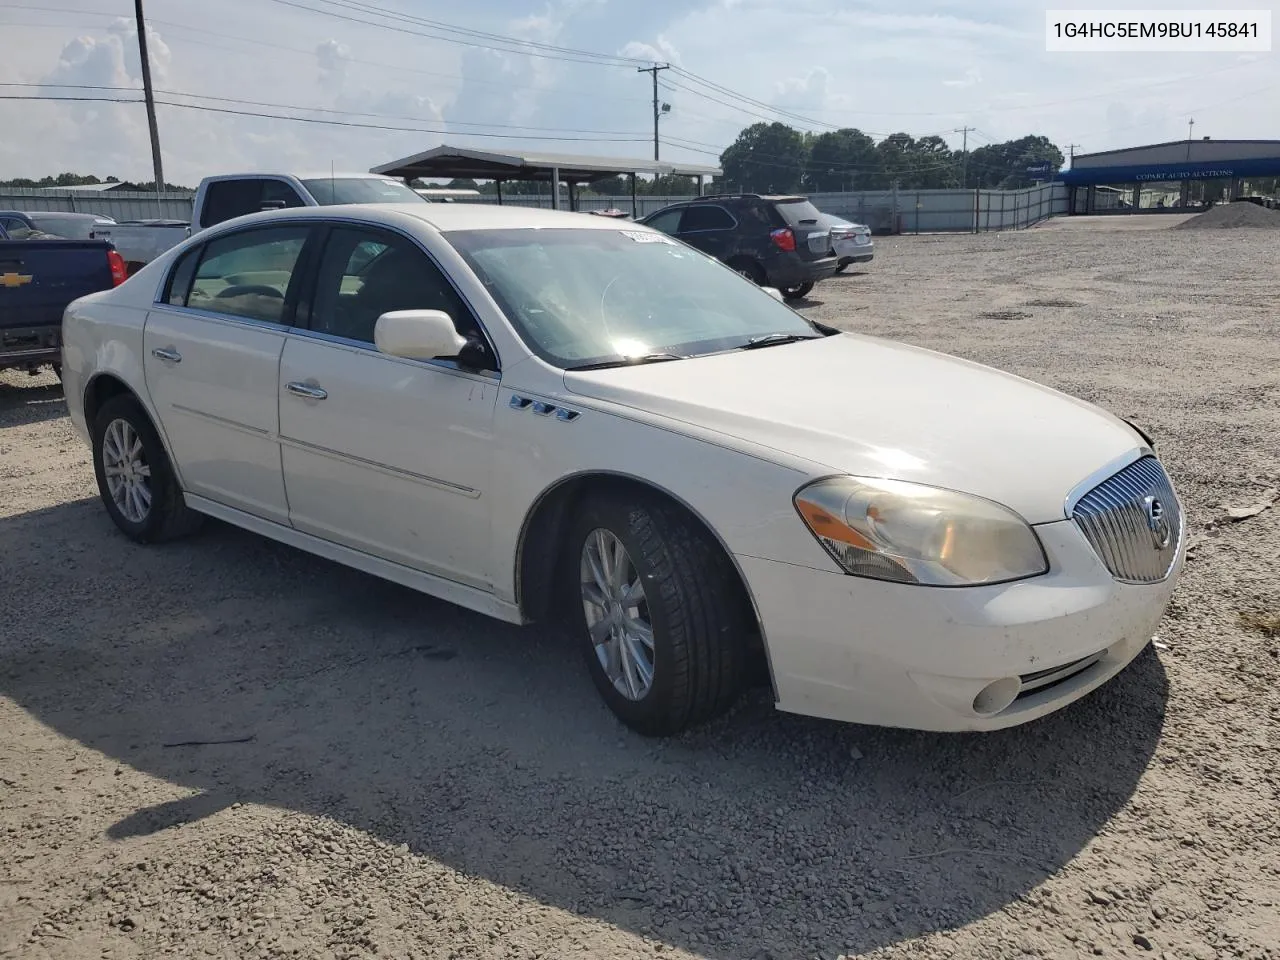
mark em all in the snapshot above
pixel 333 190
pixel 582 296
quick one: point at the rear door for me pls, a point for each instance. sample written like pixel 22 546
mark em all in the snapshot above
pixel 709 228
pixel 212 348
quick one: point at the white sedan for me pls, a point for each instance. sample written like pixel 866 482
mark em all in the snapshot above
pixel 543 415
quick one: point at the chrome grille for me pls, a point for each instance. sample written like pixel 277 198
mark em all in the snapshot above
pixel 1133 521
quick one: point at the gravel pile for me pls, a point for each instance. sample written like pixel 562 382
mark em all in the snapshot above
pixel 1232 216
pixel 223 747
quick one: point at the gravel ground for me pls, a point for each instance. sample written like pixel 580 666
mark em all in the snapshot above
pixel 412 780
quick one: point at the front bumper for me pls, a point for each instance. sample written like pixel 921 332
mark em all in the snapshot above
pixel 861 651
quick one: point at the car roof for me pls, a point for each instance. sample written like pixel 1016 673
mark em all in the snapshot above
pixel 453 216
pixel 305 175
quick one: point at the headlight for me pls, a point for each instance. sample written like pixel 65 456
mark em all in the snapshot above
pixel 910 533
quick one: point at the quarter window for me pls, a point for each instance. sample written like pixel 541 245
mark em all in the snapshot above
pixel 248 274
pixel 706 218
pixel 180 278
pixel 365 273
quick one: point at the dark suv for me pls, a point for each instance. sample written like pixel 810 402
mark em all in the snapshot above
pixel 775 241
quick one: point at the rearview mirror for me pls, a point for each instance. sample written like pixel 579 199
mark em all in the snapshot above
pixel 773 292
pixel 418 335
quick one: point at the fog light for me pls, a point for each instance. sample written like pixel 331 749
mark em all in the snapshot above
pixel 996 696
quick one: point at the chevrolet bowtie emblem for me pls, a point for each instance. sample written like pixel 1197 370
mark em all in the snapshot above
pixel 14 279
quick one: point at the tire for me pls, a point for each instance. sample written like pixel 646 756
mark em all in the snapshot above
pixel 690 600
pixel 57 370
pixel 751 270
pixel 844 265
pixel 166 516
pixel 798 292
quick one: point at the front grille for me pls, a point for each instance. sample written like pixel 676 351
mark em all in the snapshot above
pixel 1133 521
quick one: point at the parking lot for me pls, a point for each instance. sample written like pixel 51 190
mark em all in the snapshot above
pixel 225 747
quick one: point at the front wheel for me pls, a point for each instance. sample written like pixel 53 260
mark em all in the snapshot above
pixel 662 626
pixel 135 480
pixel 798 292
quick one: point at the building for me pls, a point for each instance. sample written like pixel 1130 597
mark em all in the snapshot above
pixel 1166 175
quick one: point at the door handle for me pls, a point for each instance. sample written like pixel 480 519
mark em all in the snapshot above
pixel 306 390
pixel 167 353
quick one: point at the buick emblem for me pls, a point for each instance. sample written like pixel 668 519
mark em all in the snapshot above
pixel 1157 522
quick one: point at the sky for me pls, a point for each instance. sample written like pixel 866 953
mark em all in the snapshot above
pixel 883 66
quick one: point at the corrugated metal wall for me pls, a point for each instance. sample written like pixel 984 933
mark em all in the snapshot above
pixel 886 211
pixel 901 211
pixel 119 204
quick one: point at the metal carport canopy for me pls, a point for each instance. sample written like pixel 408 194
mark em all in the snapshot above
pixel 446 161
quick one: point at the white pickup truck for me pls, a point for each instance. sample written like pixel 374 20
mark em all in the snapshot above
pixel 234 195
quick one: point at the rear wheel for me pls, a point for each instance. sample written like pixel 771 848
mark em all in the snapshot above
pixel 135 479
pixel 751 270
pixel 662 626
pixel 798 292
pixel 844 265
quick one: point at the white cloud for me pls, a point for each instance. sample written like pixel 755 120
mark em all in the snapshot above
pixel 972 77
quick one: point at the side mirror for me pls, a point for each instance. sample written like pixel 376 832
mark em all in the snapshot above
pixel 272 205
pixel 773 292
pixel 418 335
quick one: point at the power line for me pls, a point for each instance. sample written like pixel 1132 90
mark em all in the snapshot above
pixel 528 48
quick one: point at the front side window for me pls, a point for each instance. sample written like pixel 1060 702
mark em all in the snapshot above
pixel 579 296
pixel 276 194
pixel 365 273
pixel 248 274
pixel 668 221
pixel 332 190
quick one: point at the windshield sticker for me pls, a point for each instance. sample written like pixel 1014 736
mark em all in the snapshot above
pixel 646 237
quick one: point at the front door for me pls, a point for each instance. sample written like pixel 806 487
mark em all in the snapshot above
pixel 211 350
pixel 386 455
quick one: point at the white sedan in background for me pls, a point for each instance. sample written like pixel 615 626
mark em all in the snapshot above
pixel 538 414
pixel 851 241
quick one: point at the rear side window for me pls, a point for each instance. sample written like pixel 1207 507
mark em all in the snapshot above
pixel 706 218
pixel 248 274
pixel 226 199
pixel 799 213
pixel 179 285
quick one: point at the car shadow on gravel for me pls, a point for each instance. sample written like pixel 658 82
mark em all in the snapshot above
pixel 485 747
pixel 22 404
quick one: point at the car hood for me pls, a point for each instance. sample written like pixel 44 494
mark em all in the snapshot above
pixel 870 407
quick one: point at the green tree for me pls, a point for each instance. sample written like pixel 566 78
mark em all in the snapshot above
pixel 1003 166
pixel 840 160
pixel 765 157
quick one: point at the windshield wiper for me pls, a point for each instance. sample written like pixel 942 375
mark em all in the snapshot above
pixel 774 339
pixel 628 361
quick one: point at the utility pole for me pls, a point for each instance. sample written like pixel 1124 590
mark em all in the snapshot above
pixel 1071 152
pixel 657 111
pixel 149 94
pixel 964 157
pixel 1191 125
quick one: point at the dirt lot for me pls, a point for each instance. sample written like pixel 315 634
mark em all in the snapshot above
pixel 412 780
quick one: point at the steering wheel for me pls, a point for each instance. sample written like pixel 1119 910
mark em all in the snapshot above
pixel 248 289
